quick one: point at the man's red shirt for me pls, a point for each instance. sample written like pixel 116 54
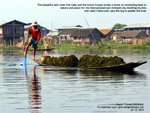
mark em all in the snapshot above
pixel 36 34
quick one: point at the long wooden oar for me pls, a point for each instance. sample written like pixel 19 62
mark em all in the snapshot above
pixel 25 62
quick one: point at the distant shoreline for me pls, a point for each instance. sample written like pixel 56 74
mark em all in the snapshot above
pixel 98 46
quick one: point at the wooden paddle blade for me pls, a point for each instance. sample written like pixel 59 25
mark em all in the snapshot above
pixel 25 62
pixel 25 70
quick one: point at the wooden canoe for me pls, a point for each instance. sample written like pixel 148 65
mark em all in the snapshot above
pixel 126 67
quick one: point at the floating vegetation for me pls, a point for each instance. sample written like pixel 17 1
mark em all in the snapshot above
pixel 97 61
pixel 84 61
pixel 64 61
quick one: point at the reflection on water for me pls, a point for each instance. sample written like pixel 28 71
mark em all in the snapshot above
pixel 44 89
pixel 34 88
pixel 92 73
pixel 64 71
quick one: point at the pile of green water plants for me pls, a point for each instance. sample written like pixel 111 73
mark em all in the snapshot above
pixel 63 61
pixel 84 61
pixel 99 61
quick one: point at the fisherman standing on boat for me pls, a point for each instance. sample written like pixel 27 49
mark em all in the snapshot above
pixel 35 34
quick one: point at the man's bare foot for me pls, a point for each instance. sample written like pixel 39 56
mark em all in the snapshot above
pixel 33 58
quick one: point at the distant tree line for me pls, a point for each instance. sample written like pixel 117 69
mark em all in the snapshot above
pixel 118 26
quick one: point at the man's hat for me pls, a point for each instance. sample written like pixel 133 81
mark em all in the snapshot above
pixel 34 23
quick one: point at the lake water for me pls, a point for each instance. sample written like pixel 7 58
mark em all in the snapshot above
pixel 39 89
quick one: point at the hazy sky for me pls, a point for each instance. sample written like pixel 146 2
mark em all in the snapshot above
pixel 28 11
